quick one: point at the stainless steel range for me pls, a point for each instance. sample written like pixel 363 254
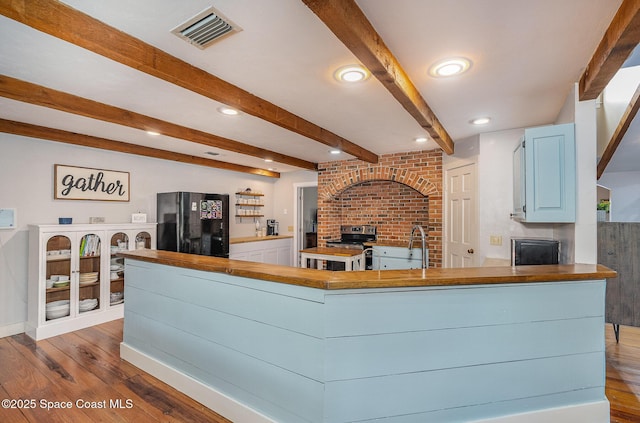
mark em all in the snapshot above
pixel 353 236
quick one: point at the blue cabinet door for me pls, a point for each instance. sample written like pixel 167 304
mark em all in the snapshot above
pixel 394 258
pixel 549 164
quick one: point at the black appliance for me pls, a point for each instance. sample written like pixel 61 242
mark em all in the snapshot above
pixel 193 222
pixel 272 227
pixel 534 251
pixel 353 236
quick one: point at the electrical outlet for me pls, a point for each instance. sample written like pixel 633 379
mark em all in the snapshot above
pixel 290 228
pixel 495 240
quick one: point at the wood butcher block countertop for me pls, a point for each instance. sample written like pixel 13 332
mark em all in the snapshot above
pixel 242 240
pixel 333 251
pixel 324 279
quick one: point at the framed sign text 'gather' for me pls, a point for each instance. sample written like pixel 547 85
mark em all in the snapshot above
pixel 82 183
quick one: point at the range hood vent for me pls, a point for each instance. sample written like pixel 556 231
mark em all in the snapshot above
pixel 205 28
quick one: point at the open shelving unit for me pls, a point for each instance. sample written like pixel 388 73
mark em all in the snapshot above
pixel 249 204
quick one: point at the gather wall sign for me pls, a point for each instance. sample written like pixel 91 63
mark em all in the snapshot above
pixel 83 183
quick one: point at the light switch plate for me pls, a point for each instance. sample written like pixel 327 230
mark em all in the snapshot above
pixel 495 240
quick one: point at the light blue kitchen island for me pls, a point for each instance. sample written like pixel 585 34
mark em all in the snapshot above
pixel 260 343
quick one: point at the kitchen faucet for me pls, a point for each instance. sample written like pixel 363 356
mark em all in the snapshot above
pixel 424 244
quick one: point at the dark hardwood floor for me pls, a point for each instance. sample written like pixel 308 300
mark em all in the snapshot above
pixel 85 366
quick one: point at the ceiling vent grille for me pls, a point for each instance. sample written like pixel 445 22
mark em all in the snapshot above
pixel 205 28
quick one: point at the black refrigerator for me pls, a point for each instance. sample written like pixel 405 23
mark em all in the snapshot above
pixel 193 222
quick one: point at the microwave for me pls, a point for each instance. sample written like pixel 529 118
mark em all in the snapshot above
pixel 525 251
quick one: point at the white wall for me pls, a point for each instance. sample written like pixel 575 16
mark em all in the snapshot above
pixel 495 195
pixel 26 183
pixel 625 195
pixel 615 99
pixel 585 230
pixel 495 190
pixel 284 197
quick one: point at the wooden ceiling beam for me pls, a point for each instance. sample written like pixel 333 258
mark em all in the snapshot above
pixel 50 134
pixel 621 130
pixel 61 21
pixel 345 19
pixel 622 36
pixel 27 92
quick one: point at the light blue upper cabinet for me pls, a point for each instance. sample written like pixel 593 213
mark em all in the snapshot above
pixel 544 166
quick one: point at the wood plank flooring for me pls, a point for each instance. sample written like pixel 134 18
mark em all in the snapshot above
pixel 623 374
pixel 85 365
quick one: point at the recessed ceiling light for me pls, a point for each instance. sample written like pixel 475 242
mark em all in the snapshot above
pixel 334 151
pixel 228 111
pixel 153 133
pixel 351 73
pixel 268 160
pixel 481 121
pixel 421 139
pixel 450 67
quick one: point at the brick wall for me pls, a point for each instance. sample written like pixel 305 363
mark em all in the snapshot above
pixel 402 190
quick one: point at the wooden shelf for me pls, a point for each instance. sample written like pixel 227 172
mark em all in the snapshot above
pixel 250 194
pixel 60 289
pixel 58 258
pixel 249 215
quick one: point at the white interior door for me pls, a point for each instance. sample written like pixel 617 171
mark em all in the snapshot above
pixel 461 216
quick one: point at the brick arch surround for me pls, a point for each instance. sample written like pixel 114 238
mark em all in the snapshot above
pixel 402 176
pixel 400 191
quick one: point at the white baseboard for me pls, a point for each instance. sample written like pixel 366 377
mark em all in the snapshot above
pixel 10 330
pixel 204 394
pixel 593 412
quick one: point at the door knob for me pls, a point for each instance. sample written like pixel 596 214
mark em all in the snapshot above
pixel 470 251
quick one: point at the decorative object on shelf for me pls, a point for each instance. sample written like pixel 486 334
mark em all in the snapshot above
pixel 82 183
pixel 139 218
pixel 96 219
pixel 603 210
pixel 65 220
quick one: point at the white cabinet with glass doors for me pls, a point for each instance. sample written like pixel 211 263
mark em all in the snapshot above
pixel 75 278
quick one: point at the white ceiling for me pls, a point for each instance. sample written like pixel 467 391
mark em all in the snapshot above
pixel 526 56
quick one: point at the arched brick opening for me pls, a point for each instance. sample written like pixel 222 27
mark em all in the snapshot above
pixel 401 176
pixel 400 191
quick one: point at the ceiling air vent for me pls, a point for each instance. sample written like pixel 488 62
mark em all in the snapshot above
pixel 205 28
